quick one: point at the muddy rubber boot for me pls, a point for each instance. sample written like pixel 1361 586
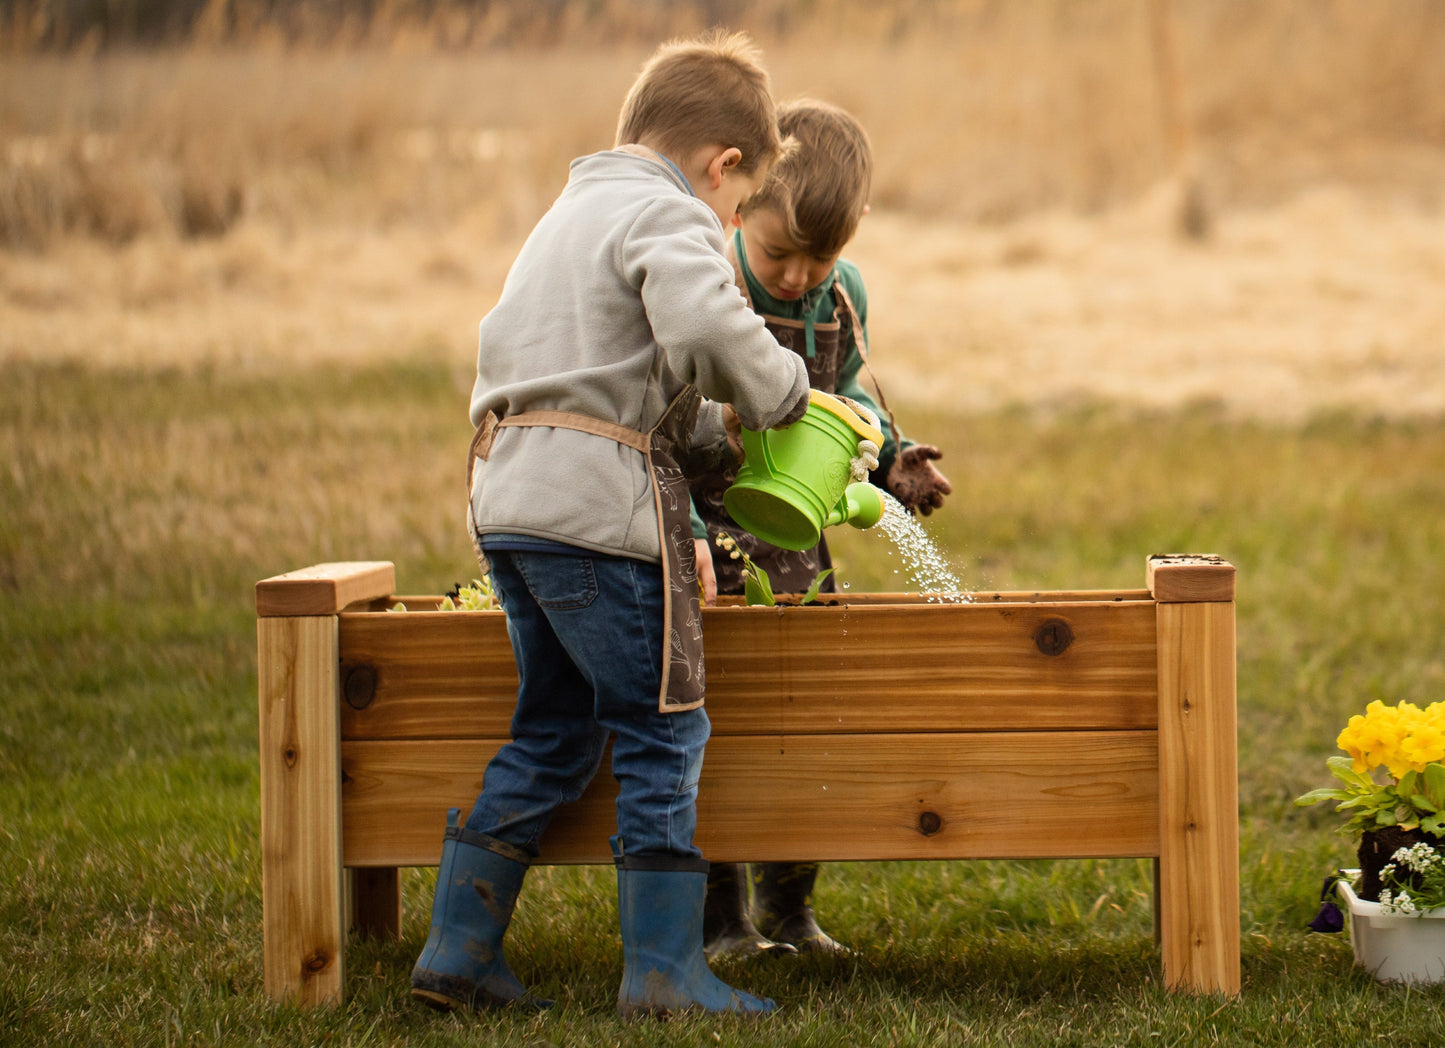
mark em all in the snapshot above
pixel 783 906
pixel 462 964
pixel 659 903
pixel 727 927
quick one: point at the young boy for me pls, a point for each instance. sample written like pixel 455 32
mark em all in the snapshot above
pixel 619 310
pixel 787 250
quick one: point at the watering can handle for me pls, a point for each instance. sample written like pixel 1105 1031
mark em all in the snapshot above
pixel 860 409
pixel 867 458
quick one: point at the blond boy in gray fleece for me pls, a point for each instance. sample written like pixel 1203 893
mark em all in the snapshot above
pixel 619 315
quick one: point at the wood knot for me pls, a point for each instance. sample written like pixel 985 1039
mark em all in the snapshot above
pixel 359 688
pixel 1053 636
pixel 929 823
pixel 289 756
pixel 316 962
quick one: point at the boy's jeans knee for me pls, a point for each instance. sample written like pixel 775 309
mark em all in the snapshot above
pixel 587 634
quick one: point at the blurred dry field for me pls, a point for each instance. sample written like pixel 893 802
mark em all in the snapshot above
pixel 1161 204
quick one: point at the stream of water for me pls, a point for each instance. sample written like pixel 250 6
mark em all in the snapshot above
pixel 926 568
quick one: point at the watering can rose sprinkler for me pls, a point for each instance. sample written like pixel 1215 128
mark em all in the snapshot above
pixel 794 482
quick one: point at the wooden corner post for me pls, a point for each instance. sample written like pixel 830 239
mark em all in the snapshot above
pixel 1198 877
pixel 304 900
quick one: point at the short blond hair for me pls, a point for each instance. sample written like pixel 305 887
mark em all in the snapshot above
pixel 704 91
pixel 820 185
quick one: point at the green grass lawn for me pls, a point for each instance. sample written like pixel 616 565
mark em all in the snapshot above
pixel 137 510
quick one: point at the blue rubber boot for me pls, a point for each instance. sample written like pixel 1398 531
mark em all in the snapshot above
pixel 660 901
pixel 462 964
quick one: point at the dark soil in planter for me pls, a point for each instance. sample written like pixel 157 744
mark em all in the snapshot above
pixel 1376 849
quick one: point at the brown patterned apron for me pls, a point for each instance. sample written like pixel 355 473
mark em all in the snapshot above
pixel 683 673
pixel 789 571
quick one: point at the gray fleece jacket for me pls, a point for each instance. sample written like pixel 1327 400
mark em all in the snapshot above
pixel 620 297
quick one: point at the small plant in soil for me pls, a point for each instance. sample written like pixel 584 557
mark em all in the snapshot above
pixel 757 587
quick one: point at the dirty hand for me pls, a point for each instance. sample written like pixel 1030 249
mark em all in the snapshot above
pixel 706 576
pixel 915 481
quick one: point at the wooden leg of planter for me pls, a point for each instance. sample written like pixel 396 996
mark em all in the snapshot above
pixel 376 901
pixel 1198 896
pixel 302 881
pixel 1158 917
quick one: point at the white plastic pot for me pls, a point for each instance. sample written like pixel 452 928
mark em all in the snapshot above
pixel 1395 947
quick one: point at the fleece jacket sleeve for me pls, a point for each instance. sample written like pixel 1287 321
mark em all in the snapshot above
pixel 673 255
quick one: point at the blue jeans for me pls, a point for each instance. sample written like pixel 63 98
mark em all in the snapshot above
pixel 587 635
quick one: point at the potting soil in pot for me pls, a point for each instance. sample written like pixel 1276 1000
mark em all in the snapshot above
pixel 1378 847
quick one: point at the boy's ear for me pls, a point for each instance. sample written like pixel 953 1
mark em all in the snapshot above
pixel 721 163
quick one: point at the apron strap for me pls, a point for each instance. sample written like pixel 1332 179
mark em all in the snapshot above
pixel 487 432
pixel 861 337
pixel 587 424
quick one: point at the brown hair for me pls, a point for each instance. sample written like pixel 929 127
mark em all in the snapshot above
pixel 820 185
pixel 704 91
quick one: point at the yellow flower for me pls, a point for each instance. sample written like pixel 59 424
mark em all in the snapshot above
pixel 1400 738
pixel 1370 739
pixel 1352 741
pixel 1425 744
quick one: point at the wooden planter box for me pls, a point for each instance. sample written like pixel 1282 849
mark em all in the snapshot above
pixel 1022 725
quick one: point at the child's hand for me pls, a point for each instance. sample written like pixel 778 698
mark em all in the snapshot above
pixel 733 428
pixel 915 481
pixel 706 576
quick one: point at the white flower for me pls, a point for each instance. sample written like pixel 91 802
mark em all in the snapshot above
pixel 1419 857
pixel 1421 868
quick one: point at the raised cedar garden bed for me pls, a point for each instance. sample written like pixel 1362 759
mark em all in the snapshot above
pixel 1106 717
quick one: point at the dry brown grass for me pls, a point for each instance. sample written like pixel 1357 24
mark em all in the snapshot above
pixel 190 141
pixel 280 203
pixel 1017 107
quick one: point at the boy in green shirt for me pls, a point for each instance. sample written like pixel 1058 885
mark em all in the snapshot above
pixel 787 251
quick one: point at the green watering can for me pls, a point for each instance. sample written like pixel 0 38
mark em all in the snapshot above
pixel 794 482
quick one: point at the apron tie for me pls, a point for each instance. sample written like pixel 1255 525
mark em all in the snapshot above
pixel 683 677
